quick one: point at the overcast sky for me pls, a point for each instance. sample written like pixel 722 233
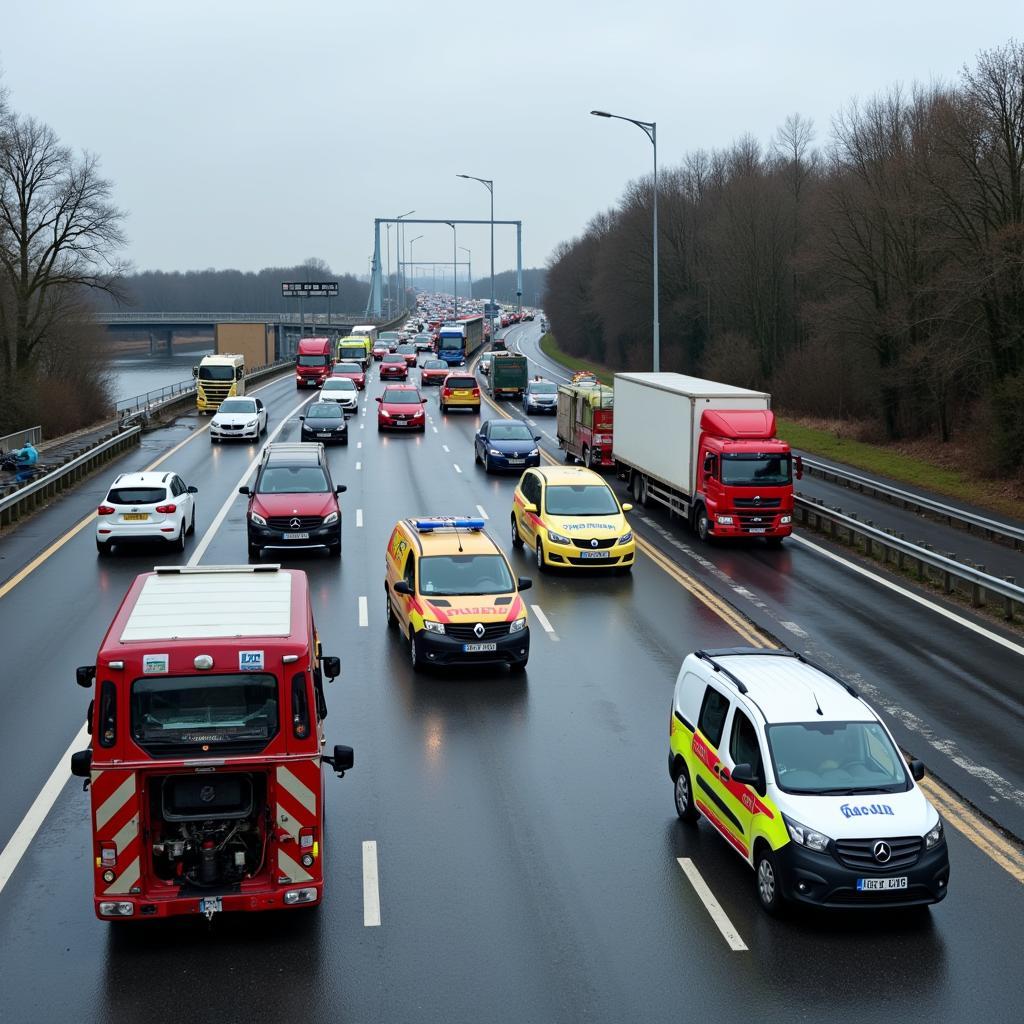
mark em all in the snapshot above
pixel 241 133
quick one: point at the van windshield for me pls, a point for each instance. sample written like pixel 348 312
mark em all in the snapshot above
pixel 835 758
pixel 464 575
pixel 311 360
pixel 755 470
pixel 172 715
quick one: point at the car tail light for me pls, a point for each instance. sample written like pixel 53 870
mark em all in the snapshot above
pixel 444 391
pixel 476 392
pixel 105 510
pixel 166 509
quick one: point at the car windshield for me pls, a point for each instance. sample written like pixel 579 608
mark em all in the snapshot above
pixel 171 714
pixel 216 373
pixel 399 396
pixel 311 360
pixel 136 495
pixel 503 431
pixel 238 405
pixel 542 388
pixel 756 470
pixel 292 480
pixel 435 364
pixel 348 368
pixel 465 575
pixel 394 357
pixel 339 384
pixel 580 500
pixel 324 411
pixel 835 758
pixel 406 349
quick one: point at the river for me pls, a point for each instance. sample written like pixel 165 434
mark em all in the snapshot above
pixel 136 374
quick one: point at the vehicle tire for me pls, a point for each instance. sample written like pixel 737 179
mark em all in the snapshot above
pixel 414 651
pixel 588 460
pixel 444 408
pixel 344 440
pixel 254 552
pixel 541 567
pixel 774 542
pixel 179 544
pixel 623 570
pixel 389 612
pixel 192 525
pixel 766 874
pixel 476 409
pixel 334 550
pixel 517 668
pixel 213 440
pixel 682 795
pixel 103 550
pixel 570 459
pixel 487 463
pixel 517 541
pixel 701 524
pixel 639 488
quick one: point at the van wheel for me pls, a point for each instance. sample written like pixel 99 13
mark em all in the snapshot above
pixel 702 524
pixel 414 651
pixel 683 795
pixel 769 891
pixel 570 459
pixel 541 567
pixel 389 612
pixel 517 541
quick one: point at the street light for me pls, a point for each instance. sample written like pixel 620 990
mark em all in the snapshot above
pixel 650 129
pixel 469 252
pixel 489 185
pixel 411 244
pixel 387 235
pixel 455 271
pixel 398 238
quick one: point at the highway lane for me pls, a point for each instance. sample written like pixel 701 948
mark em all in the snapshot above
pixel 525 828
pixel 953 697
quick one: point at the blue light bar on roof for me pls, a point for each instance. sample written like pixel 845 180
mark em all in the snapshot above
pixel 429 523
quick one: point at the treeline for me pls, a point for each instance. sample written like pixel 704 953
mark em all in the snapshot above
pixel 880 276
pixel 237 291
pixel 505 286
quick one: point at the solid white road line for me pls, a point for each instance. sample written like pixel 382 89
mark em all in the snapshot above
pixel 359 517
pixel 483 514
pixel 543 620
pixel 364 615
pixel 456 465
pixel 718 915
pixel 218 519
pixel 26 831
pixel 371 885
pixel 916 598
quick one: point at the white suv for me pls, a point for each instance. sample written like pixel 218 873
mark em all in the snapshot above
pixel 342 390
pixel 146 507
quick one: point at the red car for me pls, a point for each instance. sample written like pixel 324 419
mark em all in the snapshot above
pixel 380 350
pixel 394 367
pixel 434 371
pixel 410 353
pixel 353 371
pixel 401 408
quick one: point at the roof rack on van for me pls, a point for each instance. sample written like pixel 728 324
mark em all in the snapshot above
pixel 722 652
pixel 824 671
pixel 198 570
pixel 709 657
pixel 427 524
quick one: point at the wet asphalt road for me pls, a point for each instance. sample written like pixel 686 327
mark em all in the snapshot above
pixel 525 827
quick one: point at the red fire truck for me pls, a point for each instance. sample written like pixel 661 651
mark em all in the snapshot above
pixel 585 419
pixel 207 728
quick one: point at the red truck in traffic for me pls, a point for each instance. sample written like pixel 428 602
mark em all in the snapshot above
pixel 313 362
pixel 205 774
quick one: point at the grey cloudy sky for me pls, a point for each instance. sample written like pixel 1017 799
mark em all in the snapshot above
pixel 247 134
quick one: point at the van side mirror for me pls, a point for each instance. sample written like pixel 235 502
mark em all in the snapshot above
pixel 331 666
pixel 799 467
pixel 744 773
pixel 709 464
pixel 81 763
pixel 243 490
pixel 524 583
pixel 85 675
pixel 342 759
pixel 530 507
pixel 917 770
pixel 401 587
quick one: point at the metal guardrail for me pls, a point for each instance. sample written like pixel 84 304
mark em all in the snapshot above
pixel 916 503
pixel 970 581
pixel 33 493
pixel 20 438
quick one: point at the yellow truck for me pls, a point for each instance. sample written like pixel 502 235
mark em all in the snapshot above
pixel 355 348
pixel 218 377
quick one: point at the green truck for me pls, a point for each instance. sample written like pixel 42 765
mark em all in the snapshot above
pixel 508 375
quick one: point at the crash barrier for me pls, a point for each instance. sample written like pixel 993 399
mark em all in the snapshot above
pixel 929 566
pixel 965 520
pixel 20 438
pixel 37 491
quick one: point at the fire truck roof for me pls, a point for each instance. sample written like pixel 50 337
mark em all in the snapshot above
pixel 178 603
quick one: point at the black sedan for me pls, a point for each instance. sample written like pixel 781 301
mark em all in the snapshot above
pixel 326 422
pixel 506 444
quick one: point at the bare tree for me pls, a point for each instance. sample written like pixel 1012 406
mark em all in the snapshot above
pixel 59 235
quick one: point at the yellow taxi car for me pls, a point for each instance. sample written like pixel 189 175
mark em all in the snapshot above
pixel 569 516
pixel 452 594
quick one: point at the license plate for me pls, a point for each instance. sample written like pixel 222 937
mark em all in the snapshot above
pixel 880 884
pixel 478 648
pixel 461 394
pixel 296 536
pixel 593 554
pixel 210 905
pixel 516 462
pixel 323 433
pixel 760 529
pixel 135 517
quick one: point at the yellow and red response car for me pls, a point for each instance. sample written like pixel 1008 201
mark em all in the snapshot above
pixel 570 517
pixel 452 594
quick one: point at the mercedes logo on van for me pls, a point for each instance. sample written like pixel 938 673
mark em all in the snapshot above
pixel 294 523
pixel 882 852
pixel 757 499
pixel 593 543
pixel 479 630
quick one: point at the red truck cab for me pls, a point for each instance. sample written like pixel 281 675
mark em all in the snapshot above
pixel 745 475
pixel 205 775
pixel 313 362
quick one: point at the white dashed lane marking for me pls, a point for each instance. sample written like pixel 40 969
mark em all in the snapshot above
pixel 543 620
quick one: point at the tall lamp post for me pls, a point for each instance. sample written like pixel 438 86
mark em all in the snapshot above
pixel 411 244
pixel 388 236
pixel 469 253
pixel 399 234
pixel 455 271
pixel 489 185
pixel 650 129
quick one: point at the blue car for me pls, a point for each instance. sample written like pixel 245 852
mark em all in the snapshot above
pixel 506 444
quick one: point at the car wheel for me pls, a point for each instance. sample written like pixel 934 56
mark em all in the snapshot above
pixel 213 440
pixel 769 891
pixel 540 558
pixel 444 408
pixel 587 458
pixel 517 541
pixel 569 457
pixel 487 463
pixel 103 550
pixel 683 796
pixel 517 668
pixel 702 524
pixel 254 552
pixel 476 409
pixel 192 525
pixel 414 651
pixel 774 542
pixel 179 543
pixel 334 550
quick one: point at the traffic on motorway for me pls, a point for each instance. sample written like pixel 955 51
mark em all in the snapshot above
pixel 615 741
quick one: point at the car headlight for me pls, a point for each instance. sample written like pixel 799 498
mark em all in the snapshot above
pixel 806 836
pixel 934 836
pixel 786 520
pixel 257 519
pixel 724 520
pixel 433 627
pixel 493 451
pixel 626 537
pixel 250 423
pixel 518 626
pixel 330 519
pixel 536 451
pixel 557 538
